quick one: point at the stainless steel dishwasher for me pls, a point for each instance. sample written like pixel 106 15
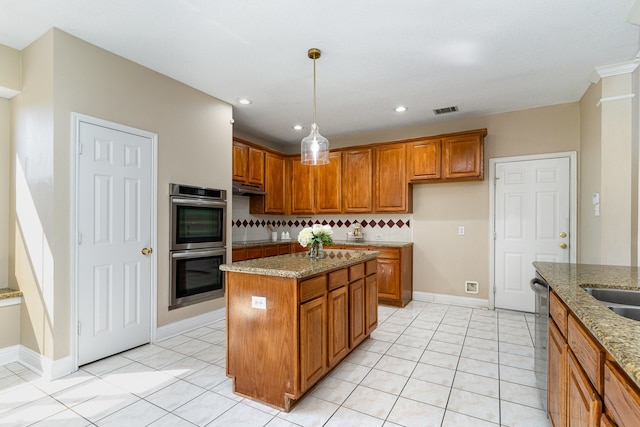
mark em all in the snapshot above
pixel 541 331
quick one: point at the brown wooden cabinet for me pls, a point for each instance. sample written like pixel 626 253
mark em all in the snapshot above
pixel 253 252
pixel 248 163
pixel 328 185
pixel 274 201
pixel 621 396
pixel 338 324
pixel 463 157
pixel 371 296
pixel 424 160
pixel 313 348
pixel 556 377
pixel 584 406
pixel 302 187
pixel 392 192
pixel 357 181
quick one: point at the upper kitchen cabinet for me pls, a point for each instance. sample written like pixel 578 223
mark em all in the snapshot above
pixel 248 163
pixel 302 187
pixel 392 192
pixel 357 185
pixel 328 188
pixel 274 201
pixel 451 157
pixel 424 158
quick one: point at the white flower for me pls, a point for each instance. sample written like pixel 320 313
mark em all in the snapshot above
pixel 316 233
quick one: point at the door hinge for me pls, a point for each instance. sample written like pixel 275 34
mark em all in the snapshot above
pixel 79 328
pixel 79 147
pixel 495 235
pixel 494 289
pixel 79 238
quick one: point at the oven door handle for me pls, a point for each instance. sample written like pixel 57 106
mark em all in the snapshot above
pixel 191 253
pixel 200 202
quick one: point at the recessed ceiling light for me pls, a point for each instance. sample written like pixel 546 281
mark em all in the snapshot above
pixel 400 109
pixel 297 127
pixel 244 101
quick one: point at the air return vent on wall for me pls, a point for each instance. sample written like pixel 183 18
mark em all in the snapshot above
pixel 445 110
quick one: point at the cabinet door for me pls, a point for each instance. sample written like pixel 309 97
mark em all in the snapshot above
pixel 302 187
pixel 621 396
pixel 357 181
pixel 357 327
pixel 274 184
pixel 240 161
pixel 312 342
pixel 390 178
pixel 255 174
pixel 557 377
pixel 371 303
pixel 424 160
pixel 239 254
pixel 463 157
pixel 584 406
pixel 338 328
pixel 388 279
pixel 328 185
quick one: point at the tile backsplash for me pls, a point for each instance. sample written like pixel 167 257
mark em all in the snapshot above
pixel 381 227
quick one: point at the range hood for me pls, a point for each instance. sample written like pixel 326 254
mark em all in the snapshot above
pixel 247 189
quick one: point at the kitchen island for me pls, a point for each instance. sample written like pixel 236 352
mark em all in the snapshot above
pixel 291 319
pixel 593 353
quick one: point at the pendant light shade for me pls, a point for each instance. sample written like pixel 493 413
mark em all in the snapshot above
pixel 314 148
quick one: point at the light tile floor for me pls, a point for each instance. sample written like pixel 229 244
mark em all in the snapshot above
pixel 425 365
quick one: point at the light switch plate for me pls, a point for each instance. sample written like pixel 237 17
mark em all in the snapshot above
pixel 259 302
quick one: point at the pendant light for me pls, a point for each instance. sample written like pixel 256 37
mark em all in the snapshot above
pixel 314 148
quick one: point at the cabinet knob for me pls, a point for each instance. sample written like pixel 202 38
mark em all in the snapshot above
pixel 146 251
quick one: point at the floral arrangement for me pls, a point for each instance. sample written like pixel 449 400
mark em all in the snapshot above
pixel 315 234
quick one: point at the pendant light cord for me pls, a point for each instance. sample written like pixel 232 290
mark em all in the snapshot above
pixel 314 90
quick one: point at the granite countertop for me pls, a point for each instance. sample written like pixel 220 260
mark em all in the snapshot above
pixel 299 265
pixel 9 293
pixel 366 243
pixel 618 335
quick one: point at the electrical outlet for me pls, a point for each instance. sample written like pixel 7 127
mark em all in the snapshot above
pixel 259 302
pixel 461 231
pixel 471 287
pixel 378 236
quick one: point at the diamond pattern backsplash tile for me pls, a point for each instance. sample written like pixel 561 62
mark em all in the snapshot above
pixel 375 227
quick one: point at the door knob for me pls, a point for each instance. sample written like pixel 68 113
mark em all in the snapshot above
pixel 563 235
pixel 146 251
pixel 563 245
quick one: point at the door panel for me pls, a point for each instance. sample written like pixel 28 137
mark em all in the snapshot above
pixel 532 210
pixel 114 211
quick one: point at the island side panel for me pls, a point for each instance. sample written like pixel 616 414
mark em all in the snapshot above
pixel 262 343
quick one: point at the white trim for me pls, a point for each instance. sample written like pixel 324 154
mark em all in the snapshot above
pixel 43 366
pixel 8 93
pixel 9 354
pixel 573 206
pixel 186 325
pixel 76 119
pixel 614 70
pixel 451 299
pixel 614 98
pixel 6 302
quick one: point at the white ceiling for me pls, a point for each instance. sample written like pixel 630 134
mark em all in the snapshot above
pixel 485 57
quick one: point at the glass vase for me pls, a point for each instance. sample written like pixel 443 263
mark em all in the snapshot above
pixel 316 250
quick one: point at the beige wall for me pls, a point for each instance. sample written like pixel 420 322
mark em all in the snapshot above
pixel 5 150
pixel 10 321
pixel 10 71
pixel 194 131
pixel 442 259
pixel 590 171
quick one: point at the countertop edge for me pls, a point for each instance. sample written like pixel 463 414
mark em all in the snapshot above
pixel 366 243
pixel 617 334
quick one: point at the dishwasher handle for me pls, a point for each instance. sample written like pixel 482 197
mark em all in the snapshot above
pixel 539 286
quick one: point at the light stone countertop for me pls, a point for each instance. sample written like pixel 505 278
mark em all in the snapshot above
pixel 299 265
pixel 618 335
pixel 6 293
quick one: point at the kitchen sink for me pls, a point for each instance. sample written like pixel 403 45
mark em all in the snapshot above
pixel 629 312
pixel 617 296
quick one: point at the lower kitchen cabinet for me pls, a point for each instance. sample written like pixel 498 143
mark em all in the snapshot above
pixel 556 377
pixel 371 301
pixel 584 406
pixel 621 397
pixel 312 342
pixel 338 325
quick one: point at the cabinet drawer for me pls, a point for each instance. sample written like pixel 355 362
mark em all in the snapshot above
pixel 621 397
pixel 558 311
pixel 588 352
pixel 253 253
pixel 312 288
pixel 371 267
pixel 356 272
pixel 386 252
pixel 270 250
pixel 338 278
pixel 238 255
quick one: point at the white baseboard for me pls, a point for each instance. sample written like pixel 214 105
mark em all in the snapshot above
pixel 451 299
pixel 9 354
pixel 182 326
pixel 44 366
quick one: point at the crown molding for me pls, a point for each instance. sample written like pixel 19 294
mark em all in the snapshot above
pixel 613 70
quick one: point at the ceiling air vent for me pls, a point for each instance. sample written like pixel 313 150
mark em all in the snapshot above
pixel 445 110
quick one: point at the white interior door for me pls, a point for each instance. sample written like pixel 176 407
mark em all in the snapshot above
pixel 114 224
pixel 532 223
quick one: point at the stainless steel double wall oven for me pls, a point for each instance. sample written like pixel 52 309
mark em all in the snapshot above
pixel 198 235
